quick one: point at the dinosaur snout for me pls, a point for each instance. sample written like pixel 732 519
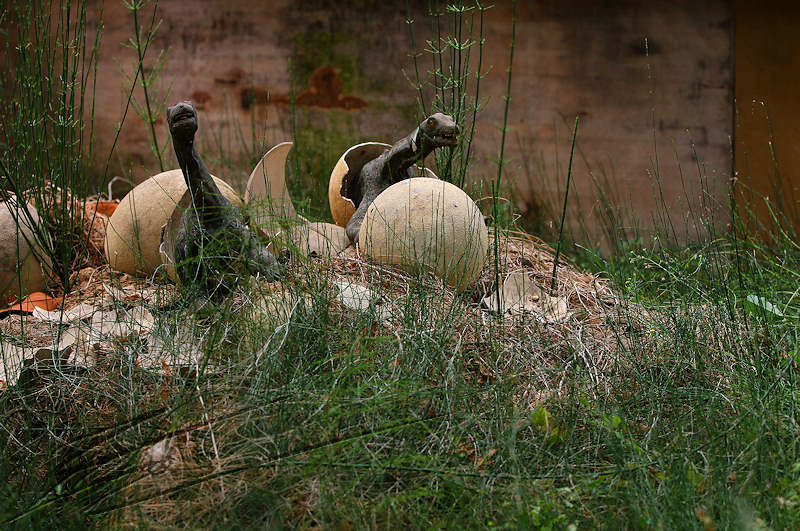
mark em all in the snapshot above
pixel 182 119
pixel 180 111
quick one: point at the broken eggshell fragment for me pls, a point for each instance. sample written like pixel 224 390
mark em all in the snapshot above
pixel 519 294
pixel 133 235
pixel 267 196
pixel 320 239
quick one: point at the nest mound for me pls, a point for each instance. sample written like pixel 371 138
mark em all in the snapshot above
pixel 537 349
pixel 114 326
pixel 534 345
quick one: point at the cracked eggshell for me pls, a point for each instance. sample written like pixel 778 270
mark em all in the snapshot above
pixel 320 239
pixel 346 170
pixel 19 246
pixel 133 235
pixel 424 222
pixel 269 203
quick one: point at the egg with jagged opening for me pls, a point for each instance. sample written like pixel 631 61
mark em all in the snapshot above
pixel 21 255
pixel 425 223
pixel 133 236
pixel 341 187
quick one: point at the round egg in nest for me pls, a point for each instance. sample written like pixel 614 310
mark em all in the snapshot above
pixel 427 223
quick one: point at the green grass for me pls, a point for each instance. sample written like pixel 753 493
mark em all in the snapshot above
pixel 328 417
pixel 673 406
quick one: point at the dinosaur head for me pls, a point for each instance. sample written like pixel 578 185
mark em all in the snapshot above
pixel 182 120
pixel 436 131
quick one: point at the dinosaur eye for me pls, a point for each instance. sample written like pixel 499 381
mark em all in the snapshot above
pixel 431 122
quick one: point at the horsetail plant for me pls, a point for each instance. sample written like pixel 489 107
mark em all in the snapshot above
pixel 47 135
pixel 448 84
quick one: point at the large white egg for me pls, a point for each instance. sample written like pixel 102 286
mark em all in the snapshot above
pixel 424 222
pixel 20 252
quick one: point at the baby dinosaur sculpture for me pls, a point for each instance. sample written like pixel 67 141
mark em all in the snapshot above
pixel 395 164
pixel 213 243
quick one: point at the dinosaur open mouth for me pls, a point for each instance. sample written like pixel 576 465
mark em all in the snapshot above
pixel 450 139
pixel 181 116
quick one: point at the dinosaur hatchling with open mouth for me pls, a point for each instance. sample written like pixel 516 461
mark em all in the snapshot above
pixel 396 164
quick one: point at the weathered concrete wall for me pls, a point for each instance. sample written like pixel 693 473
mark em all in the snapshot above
pixel 572 58
pixel 589 59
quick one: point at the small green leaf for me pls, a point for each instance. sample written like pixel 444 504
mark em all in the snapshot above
pixel 613 421
pixel 555 437
pixel 757 303
pixel 695 478
pixel 541 417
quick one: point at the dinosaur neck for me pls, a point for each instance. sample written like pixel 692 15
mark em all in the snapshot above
pixel 206 197
pixel 402 154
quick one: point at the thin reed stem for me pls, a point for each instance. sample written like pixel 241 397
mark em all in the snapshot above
pixel 150 117
pixel 496 183
pixel 554 276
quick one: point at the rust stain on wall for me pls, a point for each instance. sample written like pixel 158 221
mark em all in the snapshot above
pixel 325 91
pixel 201 98
pixel 230 77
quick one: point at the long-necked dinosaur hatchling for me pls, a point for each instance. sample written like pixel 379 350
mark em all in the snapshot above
pixel 378 168
pixel 134 231
pixel 212 245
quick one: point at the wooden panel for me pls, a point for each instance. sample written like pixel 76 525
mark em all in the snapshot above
pixel 767 51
